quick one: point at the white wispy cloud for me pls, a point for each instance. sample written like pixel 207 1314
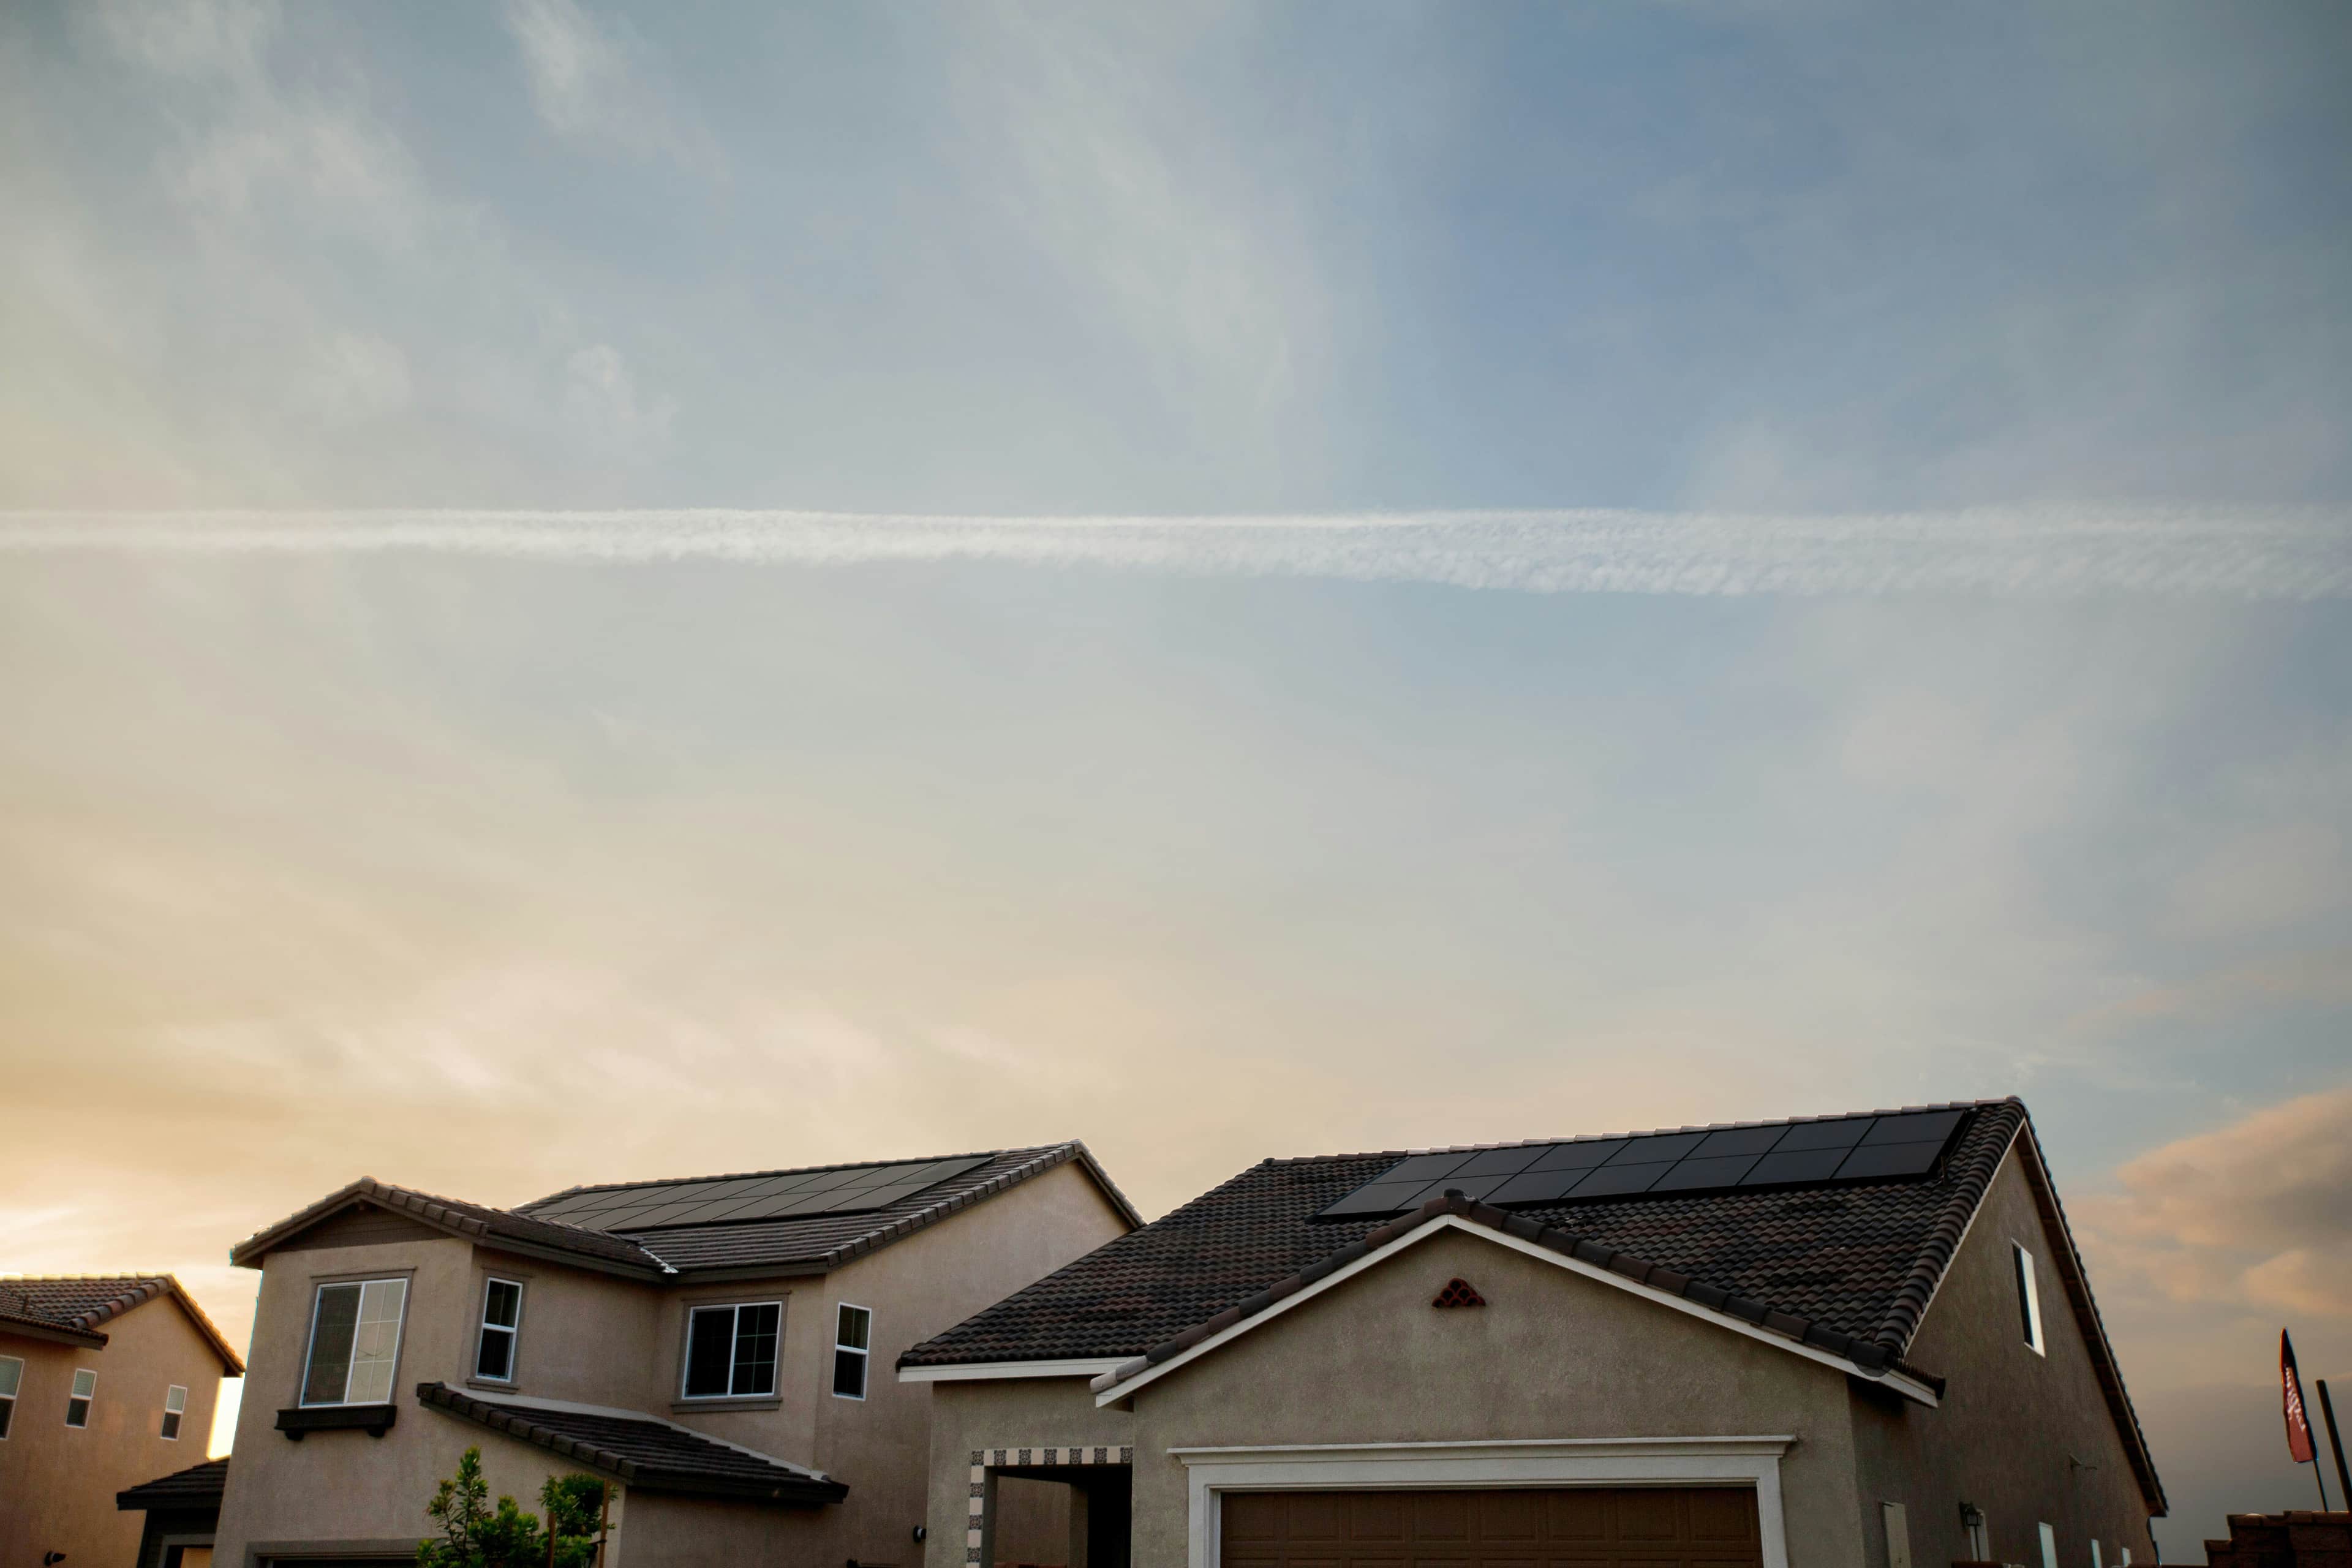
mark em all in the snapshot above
pixel 593 84
pixel 2303 554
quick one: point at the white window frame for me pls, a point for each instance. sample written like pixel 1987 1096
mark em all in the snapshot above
pixel 486 1329
pixel 1508 1462
pixel 400 1327
pixel 734 1321
pixel 2028 1296
pixel 87 1401
pixel 174 1415
pixel 865 1353
pixel 15 1387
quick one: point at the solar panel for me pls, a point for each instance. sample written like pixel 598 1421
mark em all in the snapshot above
pixel 1848 1148
pixel 841 1190
pixel 1880 1160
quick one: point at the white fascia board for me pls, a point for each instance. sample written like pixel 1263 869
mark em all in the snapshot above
pixel 1909 1388
pixel 996 1371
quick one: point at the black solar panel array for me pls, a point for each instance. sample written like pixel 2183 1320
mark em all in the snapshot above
pixel 842 1190
pixel 1851 1149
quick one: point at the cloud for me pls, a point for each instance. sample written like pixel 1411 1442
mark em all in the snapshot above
pixel 2257 1214
pixel 592 85
pixel 2297 555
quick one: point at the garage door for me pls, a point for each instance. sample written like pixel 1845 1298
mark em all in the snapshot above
pixel 1577 1527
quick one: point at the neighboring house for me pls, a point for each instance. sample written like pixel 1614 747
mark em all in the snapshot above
pixel 104 1381
pixel 1854 1341
pixel 705 1344
pixel 182 1511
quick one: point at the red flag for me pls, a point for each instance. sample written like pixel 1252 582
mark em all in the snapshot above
pixel 2298 1424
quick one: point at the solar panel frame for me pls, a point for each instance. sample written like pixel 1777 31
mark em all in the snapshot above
pixel 1889 1161
pixel 1791 1165
pixel 1843 1132
pixel 1657 1148
pixel 1372 1198
pixel 1537 1186
pixel 1616 1179
pixel 1724 1171
pixel 1500 1161
pixel 1425 1168
pixel 1915 1127
pixel 1578 1156
pixel 1738 1141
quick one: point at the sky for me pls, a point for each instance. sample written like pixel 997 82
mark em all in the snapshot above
pixel 591 593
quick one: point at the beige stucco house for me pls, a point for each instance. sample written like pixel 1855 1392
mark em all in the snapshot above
pixel 105 1381
pixel 717 1349
pixel 1856 1342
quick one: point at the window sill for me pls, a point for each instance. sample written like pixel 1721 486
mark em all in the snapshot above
pixel 302 1420
pixel 765 1401
pixel 495 1385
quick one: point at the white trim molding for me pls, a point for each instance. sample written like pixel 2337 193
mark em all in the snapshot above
pixel 1743 1461
pixel 1107 1394
pixel 990 1371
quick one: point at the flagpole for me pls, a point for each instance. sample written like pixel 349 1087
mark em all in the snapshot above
pixel 2299 1446
pixel 2343 1477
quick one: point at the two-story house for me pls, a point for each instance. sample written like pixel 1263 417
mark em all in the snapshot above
pixel 104 1382
pixel 718 1350
pixel 1849 1341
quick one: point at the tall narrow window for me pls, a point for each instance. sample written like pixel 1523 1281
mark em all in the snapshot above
pixel 85 1389
pixel 730 1352
pixel 2048 1547
pixel 494 1359
pixel 12 1378
pixel 355 1340
pixel 852 1332
pixel 2029 1299
pixel 176 1405
pixel 2095 1562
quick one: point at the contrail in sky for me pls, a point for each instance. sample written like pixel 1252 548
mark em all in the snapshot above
pixel 2040 553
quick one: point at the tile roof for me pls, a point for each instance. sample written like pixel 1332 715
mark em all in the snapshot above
pixel 814 1243
pixel 1850 1268
pixel 1859 1259
pixel 199 1486
pixel 647 1452
pixel 79 1304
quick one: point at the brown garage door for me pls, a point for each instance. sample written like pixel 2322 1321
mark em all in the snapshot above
pixel 1577 1527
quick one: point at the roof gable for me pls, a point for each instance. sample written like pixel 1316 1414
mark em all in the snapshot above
pixel 717 1250
pixel 1571 1254
pixel 1860 1258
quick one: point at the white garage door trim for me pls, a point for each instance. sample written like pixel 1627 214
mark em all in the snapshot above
pixel 1508 1462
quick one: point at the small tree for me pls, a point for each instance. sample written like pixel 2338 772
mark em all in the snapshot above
pixel 474 1535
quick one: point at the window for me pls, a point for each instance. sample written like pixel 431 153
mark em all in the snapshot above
pixel 730 1352
pixel 12 1378
pixel 355 1340
pixel 176 1405
pixel 494 1358
pixel 2029 1299
pixel 2048 1547
pixel 2095 1562
pixel 85 1389
pixel 851 1333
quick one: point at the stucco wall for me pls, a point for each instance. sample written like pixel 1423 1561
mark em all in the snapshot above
pixel 1014 1414
pixel 58 1483
pixel 2012 1422
pixel 1552 1356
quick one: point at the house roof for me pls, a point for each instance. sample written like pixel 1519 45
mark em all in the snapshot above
pixel 813 1244
pixel 647 1452
pixel 1852 1265
pixel 74 1307
pixel 198 1486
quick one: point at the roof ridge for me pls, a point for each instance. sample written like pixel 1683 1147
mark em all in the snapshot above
pixel 790 1171
pixel 1637 1132
pixel 1971 1179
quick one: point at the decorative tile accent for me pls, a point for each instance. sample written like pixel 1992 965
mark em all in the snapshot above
pixel 984 1459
